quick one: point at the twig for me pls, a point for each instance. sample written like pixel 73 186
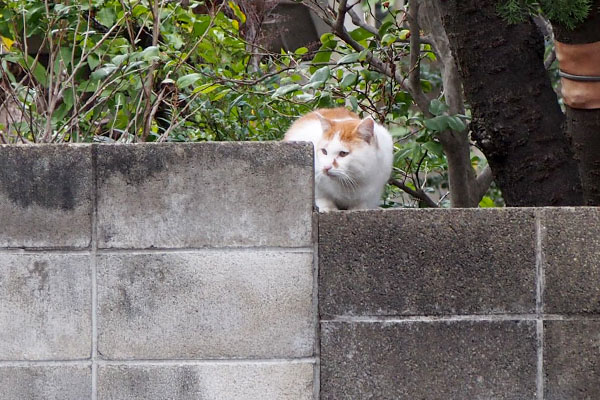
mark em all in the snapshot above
pixel 419 193
pixel 419 167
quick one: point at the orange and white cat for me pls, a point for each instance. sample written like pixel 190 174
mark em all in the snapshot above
pixel 353 157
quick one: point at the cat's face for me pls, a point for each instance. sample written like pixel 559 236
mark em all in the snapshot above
pixel 342 149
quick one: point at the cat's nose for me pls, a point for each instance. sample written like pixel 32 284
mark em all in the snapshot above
pixel 327 168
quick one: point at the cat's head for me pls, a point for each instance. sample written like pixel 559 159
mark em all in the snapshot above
pixel 344 147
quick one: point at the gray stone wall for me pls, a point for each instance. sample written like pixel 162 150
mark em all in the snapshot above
pixel 157 272
pixel 189 271
pixel 460 304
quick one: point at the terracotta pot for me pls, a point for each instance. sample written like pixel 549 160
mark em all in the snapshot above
pixel 580 60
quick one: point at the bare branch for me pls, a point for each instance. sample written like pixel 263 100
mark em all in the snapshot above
pixel 341 16
pixel 483 182
pixel 358 21
pixel 149 84
pixel 414 75
pixel 550 59
pixel 418 194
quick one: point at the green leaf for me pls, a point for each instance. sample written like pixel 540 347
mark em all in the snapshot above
pixel 327 37
pixel 322 57
pixel 384 27
pixel 237 11
pixel 487 202
pixel 174 40
pixel 235 103
pixel 221 94
pixel 283 90
pixel 349 80
pixel 363 55
pixel 456 124
pixel 188 80
pixel 325 100
pixel 321 75
pixel 93 61
pixel 301 51
pixel 399 131
pixel 435 148
pixel 106 16
pixel 353 102
pixel 437 124
pixel 207 88
pixel 39 72
pixel 149 53
pixel 360 34
pixel 388 39
pixel 68 98
pixel 103 72
pixel 118 60
pixel 349 58
pixel 437 107
pixel 200 27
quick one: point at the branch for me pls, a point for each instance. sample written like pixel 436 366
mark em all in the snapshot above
pixel 418 194
pixel 550 59
pixel 414 74
pixel 430 17
pixel 386 69
pixel 341 16
pixel 483 182
pixel 149 84
pixel 356 20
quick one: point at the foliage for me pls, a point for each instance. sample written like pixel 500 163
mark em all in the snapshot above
pixel 142 70
pixel 133 70
pixel 565 12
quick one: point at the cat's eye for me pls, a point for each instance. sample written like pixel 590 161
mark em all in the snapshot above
pixel 324 151
pixel 343 153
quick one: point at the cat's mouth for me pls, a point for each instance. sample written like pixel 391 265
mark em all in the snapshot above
pixel 330 173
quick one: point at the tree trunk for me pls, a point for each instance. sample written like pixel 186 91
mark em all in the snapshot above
pixel 517 121
pixel 583 126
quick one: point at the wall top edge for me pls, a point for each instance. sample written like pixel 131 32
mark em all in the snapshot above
pixel 454 210
pixel 165 144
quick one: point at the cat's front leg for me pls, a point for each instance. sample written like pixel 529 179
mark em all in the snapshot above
pixel 363 206
pixel 324 204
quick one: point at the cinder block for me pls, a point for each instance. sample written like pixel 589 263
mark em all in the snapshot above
pixel 272 381
pixel 571 247
pixel 427 262
pixel 205 194
pixel 45 196
pixel 45 307
pixel 205 304
pixel 429 360
pixel 64 382
pixel 572 360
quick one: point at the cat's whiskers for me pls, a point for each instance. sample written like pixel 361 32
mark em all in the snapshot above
pixel 345 180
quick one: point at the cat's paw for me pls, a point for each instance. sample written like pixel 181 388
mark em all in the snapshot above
pixel 325 205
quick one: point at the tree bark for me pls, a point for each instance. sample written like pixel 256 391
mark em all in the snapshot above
pixel 583 126
pixel 517 121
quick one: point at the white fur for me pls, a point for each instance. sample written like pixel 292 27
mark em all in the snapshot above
pixel 359 179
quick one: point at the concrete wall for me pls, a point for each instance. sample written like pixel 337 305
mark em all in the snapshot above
pixel 188 271
pixel 157 272
pixel 460 304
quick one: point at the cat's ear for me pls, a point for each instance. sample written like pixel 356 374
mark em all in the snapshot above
pixel 365 129
pixel 325 123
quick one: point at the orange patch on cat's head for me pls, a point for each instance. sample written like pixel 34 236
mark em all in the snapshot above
pixel 352 131
pixel 346 130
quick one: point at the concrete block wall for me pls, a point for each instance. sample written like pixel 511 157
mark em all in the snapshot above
pixel 189 271
pixel 178 271
pixel 460 304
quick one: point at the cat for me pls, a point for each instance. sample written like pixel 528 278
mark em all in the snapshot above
pixel 353 157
